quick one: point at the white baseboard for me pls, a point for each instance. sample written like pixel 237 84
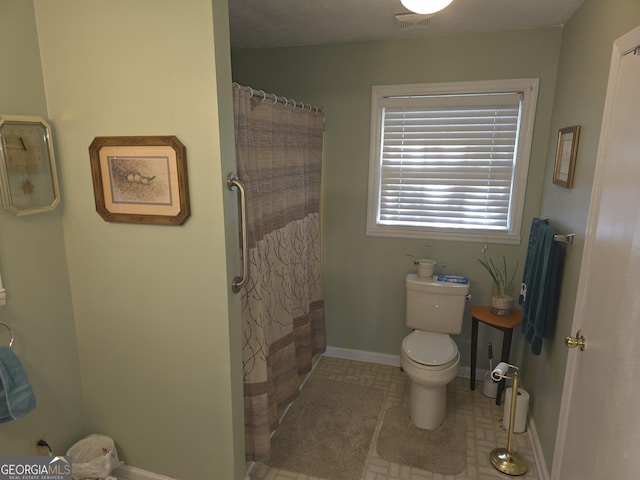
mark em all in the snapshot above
pixel 541 465
pixel 387 359
pixel 126 472
pixel 363 356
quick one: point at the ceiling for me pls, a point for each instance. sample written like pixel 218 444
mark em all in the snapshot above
pixel 277 23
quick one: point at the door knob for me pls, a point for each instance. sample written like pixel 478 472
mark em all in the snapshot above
pixel 577 341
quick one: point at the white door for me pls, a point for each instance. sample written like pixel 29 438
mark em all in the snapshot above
pixel 599 427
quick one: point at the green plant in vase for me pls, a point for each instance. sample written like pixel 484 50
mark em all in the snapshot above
pixel 502 289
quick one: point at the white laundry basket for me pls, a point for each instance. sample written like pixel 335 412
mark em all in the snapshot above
pixel 94 457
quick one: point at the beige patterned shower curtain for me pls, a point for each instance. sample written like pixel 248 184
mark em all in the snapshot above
pixel 279 156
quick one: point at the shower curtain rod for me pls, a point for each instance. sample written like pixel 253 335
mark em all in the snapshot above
pixel 276 99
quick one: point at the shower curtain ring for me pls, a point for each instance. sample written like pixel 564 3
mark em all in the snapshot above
pixel 250 92
pixel 264 96
pixel 10 333
pixel 275 99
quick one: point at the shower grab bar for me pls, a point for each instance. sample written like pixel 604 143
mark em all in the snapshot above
pixel 233 182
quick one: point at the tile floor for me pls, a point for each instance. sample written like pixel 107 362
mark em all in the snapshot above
pixel 483 418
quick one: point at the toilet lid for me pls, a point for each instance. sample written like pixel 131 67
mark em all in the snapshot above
pixel 428 348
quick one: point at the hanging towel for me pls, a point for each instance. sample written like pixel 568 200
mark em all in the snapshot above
pixel 540 284
pixel 16 396
pixel 533 239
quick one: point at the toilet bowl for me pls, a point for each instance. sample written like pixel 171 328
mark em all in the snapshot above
pixel 431 361
pixel 429 356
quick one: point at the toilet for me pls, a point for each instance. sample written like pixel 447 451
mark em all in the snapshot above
pixel 429 356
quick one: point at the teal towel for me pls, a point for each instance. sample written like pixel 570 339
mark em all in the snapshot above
pixel 541 285
pixel 16 396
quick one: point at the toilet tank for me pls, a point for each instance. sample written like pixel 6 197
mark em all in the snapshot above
pixel 434 306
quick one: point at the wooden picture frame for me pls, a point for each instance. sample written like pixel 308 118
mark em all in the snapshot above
pixel 140 179
pixel 566 153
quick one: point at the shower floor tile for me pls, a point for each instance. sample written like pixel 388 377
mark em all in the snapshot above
pixel 482 416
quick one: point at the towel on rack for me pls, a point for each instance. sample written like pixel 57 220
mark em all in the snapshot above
pixel 16 396
pixel 540 284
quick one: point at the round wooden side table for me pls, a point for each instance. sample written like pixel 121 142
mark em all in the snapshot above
pixel 506 323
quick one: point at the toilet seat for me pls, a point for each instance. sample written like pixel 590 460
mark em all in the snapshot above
pixel 431 350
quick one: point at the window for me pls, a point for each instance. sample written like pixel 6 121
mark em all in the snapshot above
pixel 450 160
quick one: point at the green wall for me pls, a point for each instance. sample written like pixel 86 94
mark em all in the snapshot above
pixel 364 291
pixel 587 42
pixel 364 276
pixel 158 332
pixel 34 269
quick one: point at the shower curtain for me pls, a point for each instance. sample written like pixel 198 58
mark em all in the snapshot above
pixel 279 156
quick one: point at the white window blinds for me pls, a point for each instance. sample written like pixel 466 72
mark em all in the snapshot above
pixel 447 162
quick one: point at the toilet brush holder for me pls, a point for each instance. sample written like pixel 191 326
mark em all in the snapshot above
pixel 507 460
pixel 489 387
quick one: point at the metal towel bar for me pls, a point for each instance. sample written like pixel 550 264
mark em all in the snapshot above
pixel 565 238
pixel 10 333
pixel 233 182
pixel 568 238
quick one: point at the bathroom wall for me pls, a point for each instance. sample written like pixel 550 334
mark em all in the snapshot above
pixel 33 267
pixel 587 42
pixel 158 332
pixel 364 276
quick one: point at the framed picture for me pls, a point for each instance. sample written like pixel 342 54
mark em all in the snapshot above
pixel 566 154
pixel 140 179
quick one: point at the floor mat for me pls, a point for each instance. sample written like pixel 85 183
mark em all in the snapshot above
pixel 441 451
pixel 328 431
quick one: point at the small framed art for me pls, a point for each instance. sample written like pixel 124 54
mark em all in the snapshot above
pixel 140 179
pixel 566 153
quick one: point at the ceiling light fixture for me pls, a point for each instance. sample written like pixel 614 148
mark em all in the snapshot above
pixel 425 6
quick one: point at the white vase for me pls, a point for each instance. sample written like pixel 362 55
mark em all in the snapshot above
pixel 425 267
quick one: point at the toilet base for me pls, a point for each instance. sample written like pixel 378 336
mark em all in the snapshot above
pixel 427 405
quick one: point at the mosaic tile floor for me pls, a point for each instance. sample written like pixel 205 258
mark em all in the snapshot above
pixel 482 416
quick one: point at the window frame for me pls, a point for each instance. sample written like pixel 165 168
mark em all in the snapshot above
pixel 528 87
